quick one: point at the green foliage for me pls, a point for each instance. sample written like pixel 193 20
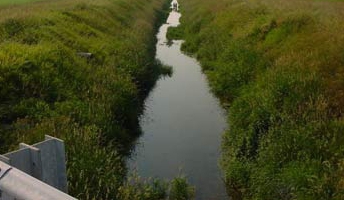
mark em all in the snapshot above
pixel 174 33
pixel 93 103
pixel 280 77
pixel 180 189
pixel 11 2
pixel 234 69
pixel 136 188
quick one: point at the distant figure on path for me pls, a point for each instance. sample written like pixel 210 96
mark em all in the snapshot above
pixel 174 5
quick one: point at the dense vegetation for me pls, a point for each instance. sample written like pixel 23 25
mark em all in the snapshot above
pixel 278 66
pixel 11 2
pixel 49 84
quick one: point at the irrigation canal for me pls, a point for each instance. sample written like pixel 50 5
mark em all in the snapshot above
pixel 182 124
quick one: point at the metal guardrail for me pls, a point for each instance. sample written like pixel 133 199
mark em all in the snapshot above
pixel 35 172
pixel 16 184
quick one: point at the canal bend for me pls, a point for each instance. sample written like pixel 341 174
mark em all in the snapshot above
pixel 182 123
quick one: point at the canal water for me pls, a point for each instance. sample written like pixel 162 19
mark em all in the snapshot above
pixel 182 124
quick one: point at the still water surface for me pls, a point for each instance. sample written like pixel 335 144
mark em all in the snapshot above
pixel 182 124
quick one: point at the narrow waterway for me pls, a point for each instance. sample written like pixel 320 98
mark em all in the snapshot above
pixel 182 124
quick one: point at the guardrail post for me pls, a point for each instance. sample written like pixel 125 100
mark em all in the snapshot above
pixel 44 161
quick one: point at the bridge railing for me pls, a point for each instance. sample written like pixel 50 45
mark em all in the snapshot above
pixel 34 172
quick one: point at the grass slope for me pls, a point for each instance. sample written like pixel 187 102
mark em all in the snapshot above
pixel 12 2
pixel 92 103
pixel 278 66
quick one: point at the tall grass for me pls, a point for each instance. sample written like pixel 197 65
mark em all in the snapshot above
pixel 93 103
pixel 13 2
pixel 278 67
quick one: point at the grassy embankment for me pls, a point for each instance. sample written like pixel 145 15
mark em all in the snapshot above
pixel 93 103
pixel 278 66
pixel 12 2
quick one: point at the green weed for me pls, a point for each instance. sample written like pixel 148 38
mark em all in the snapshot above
pixel 47 86
pixel 275 68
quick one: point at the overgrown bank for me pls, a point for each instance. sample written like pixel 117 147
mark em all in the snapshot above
pixel 278 67
pixel 49 84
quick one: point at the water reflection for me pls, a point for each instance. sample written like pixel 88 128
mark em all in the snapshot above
pixel 182 123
